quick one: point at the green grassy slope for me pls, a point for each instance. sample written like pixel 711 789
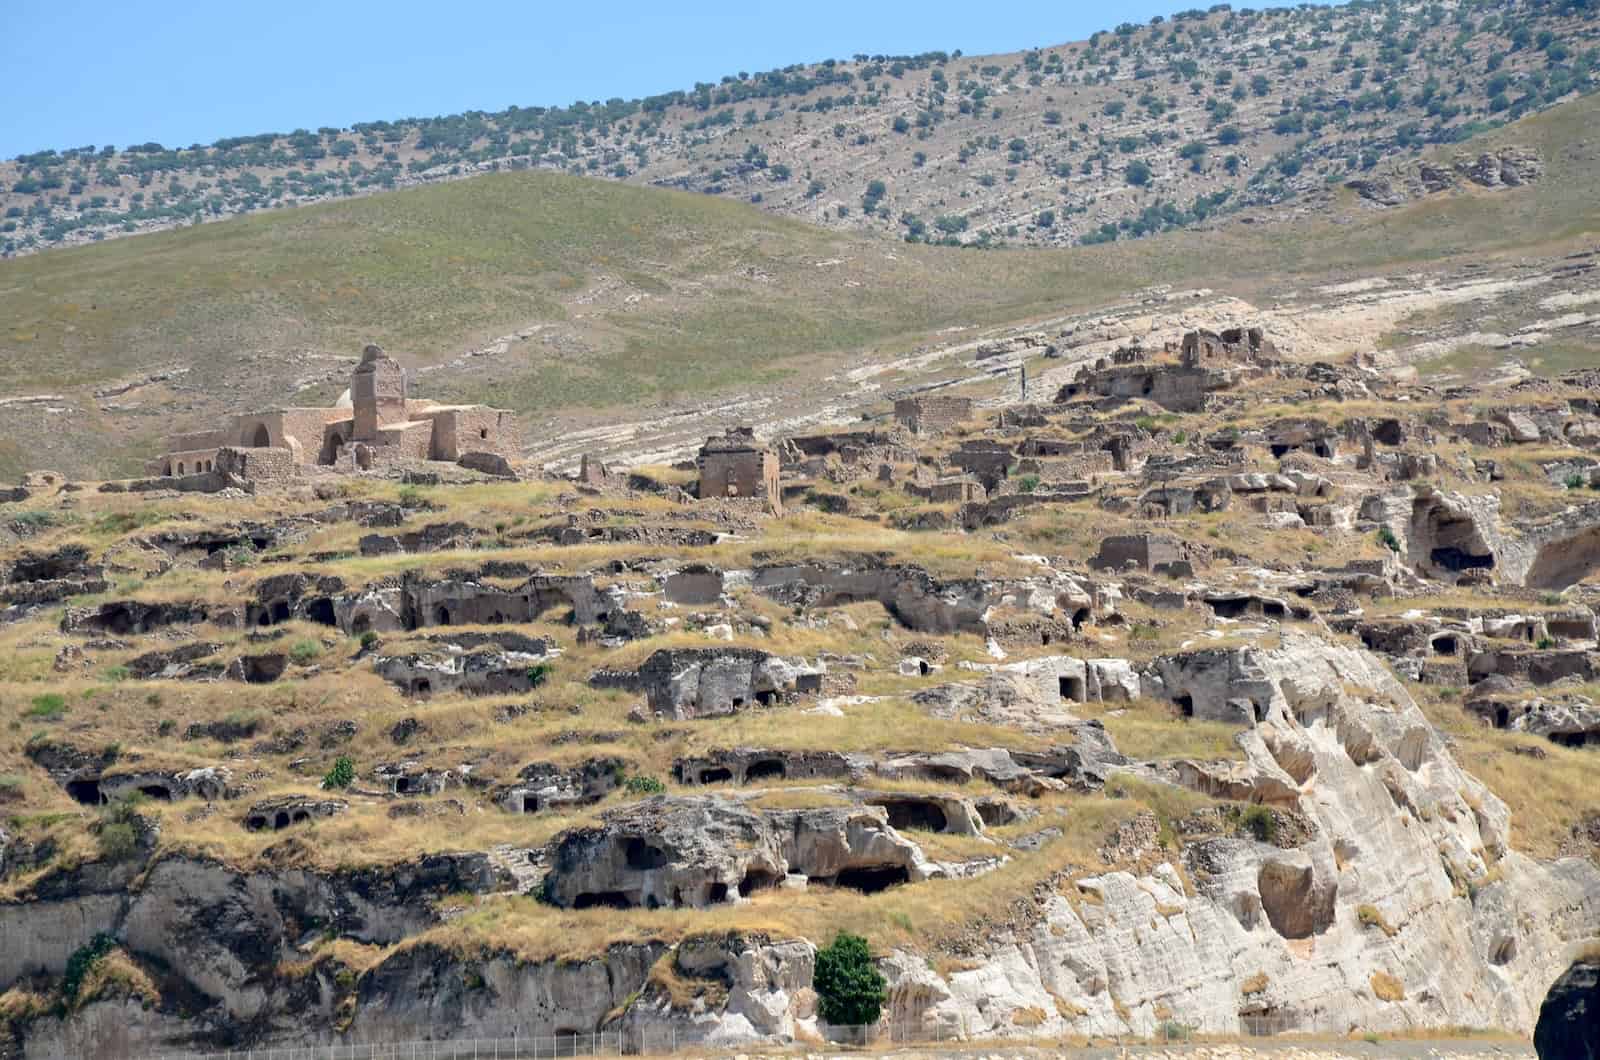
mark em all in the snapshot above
pixel 719 294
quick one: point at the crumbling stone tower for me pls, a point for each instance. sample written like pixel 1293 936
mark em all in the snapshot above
pixel 378 393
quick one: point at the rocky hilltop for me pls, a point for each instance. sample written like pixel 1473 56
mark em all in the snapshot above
pixel 1139 129
pixel 1202 681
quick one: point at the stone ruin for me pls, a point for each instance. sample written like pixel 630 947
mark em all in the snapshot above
pixel 378 423
pixel 735 464
pixel 932 414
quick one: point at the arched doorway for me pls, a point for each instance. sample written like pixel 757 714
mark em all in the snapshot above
pixel 262 438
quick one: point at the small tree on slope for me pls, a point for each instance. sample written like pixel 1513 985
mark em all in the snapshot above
pixel 847 983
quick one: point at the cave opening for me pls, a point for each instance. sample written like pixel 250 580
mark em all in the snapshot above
pixel 86 791
pixel 874 879
pixel 767 768
pixel 642 856
pixel 1230 607
pixel 757 880
pixel 1451 558
pixel 915 813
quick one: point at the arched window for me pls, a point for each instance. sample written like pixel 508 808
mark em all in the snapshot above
pixel 263 438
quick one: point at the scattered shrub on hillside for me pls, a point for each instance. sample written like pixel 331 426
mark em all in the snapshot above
pixel 539 673
pixel 1387 539
pixel 117 834
pixel 47 705
pixel 643 785
pixel 81 963
pixel 342 775
pixel 1260 823
pixel 303 651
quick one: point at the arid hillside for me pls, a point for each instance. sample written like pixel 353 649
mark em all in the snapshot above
pixel 1139 129
pixel 589 305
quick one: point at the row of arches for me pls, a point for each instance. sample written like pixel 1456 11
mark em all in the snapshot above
pixel 183 467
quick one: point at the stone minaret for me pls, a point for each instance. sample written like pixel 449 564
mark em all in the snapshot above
pixel 377 392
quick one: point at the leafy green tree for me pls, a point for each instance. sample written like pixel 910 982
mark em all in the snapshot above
pixel 849 987
pixel 342 775
pixel 1137 173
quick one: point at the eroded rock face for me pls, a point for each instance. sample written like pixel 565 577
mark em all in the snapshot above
pixel 122 617
pixel 909 593
pixel 425 988
pixel 708 682
pixel 277 814
pixel 768 986
pixel 1395 877
pixel 478 672
pixel 546 785
pixel 698 851
pixel 47 577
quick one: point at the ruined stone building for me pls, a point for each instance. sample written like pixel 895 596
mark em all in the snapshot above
pixel 735 464
pixel 1231 345
pixel 377 423
pixel 930 414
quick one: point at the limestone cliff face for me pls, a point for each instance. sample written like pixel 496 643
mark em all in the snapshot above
pixel 1406 908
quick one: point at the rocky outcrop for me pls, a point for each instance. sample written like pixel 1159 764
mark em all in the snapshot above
pixel 277 814
pixel 1510 166
pixel 1408 873
pixel 546 785
pixel 766 985
pixel 910 594
pixel 708 682
pixel 48 577
pixel 695 851
pixel 478 672
pixel 123 617
pixel 222 928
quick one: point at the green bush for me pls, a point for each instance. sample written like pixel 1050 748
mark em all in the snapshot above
pixel 539 673
pixel 1545 644
pixel 849 987
pixel 81 963
pixel 1387 539
pixel 643 785
pixel 1574 481
pixel 1027 483
pixel 304 651
pixel 117 835
pixel 47 705
pixel 342 775
pixel 369 638
pixel 1260 823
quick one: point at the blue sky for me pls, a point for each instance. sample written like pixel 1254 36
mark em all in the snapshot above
pixel 76 72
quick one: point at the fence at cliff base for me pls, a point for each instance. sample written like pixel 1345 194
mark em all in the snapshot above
pixel 666 1040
